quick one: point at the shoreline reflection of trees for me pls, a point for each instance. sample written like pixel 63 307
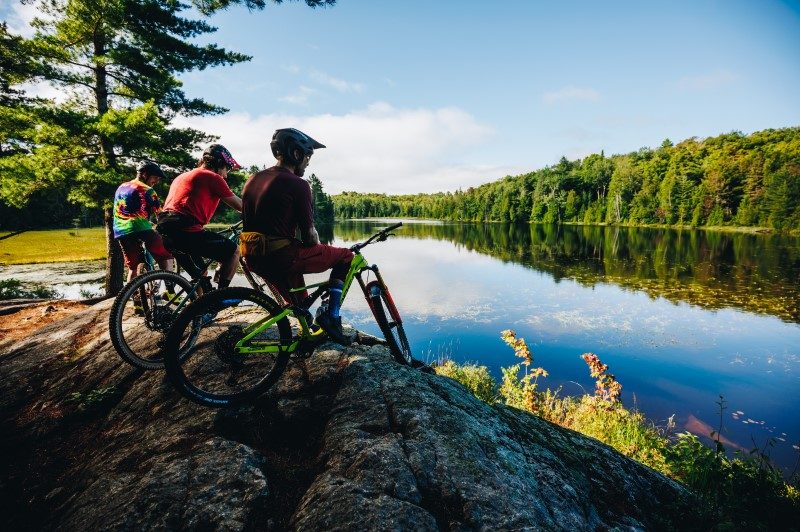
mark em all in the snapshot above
pixel 714 270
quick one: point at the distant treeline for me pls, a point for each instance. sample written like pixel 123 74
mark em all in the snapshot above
pixel 731 179
pixel 50 208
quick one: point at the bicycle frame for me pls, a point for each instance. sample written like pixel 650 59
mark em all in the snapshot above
pixel 358 266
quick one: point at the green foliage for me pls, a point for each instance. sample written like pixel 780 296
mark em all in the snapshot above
pixel 476 379
pixel 627 431
pixel 744 492
pixel 208 7
pixel 16 289
pixel 749 180
pixel 117 64
pixel 323 205
pixel 92 400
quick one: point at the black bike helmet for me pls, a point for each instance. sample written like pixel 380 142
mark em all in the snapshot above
pixel 150 168
pixel 286 141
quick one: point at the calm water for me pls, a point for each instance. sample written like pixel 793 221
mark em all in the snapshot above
pixel 680 317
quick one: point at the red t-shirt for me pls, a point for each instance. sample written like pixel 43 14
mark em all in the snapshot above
pixel 276 202
pixel 197 193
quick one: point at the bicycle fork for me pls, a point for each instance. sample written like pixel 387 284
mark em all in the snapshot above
pixel 375 288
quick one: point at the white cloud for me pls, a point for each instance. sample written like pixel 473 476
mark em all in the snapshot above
pixel 338 84
pixel 19 17
pixel 44 90
pixel 378 149
pixel 300 97
pixel 712 80
pixel 571 93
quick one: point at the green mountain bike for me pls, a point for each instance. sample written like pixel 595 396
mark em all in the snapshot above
pixel 245 348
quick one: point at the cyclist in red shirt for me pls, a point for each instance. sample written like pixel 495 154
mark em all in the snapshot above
pixel 277 205
pixel 193 197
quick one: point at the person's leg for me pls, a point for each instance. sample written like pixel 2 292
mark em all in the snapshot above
pixel 155 245
pixel 174 244
pixel 215 246
pixel 338 273
pixel 228 268
pixel 132 253
pixel 319 258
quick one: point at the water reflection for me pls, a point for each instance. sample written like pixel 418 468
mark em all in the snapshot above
pixel 680 316
pixel 756 273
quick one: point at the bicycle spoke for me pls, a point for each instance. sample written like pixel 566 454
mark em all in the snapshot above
pixel 141 317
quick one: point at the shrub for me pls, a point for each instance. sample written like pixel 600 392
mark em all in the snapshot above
pixel 743 493
pixel 476 379
pixel 16 289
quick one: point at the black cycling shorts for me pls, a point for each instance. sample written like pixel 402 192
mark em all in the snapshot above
pixel 190 247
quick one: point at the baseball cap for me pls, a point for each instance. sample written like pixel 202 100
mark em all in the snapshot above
pixel 150 168
pixel 218 151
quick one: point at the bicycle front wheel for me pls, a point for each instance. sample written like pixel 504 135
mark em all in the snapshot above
pixel 242 349
pixel 143 313
pixel 390 323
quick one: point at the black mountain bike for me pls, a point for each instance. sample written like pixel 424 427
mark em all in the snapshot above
pixel 245 348
pixel 145 309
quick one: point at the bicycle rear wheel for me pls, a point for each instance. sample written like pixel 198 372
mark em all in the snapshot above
pixel 390 323
pixel 241 351
pixel 140 317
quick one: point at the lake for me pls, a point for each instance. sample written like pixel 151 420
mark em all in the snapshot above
pixel 680 316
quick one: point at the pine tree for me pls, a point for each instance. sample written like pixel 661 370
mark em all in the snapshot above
pixel 323 204
pixel 117 62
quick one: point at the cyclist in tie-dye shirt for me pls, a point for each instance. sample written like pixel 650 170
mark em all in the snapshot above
pixel 134 203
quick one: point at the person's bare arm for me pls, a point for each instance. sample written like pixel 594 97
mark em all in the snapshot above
pixel 311 237
pixel 234 202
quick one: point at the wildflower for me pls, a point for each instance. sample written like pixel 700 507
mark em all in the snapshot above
pixel 606 387
pixel 521 392
pixel 518 345
pixel 538 372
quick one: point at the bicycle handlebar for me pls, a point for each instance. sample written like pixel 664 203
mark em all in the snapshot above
pixel 381 235
pixel 392 227
pixel 231 228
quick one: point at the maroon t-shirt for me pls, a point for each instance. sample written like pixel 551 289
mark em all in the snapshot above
pixel 276 202
pixel 197 194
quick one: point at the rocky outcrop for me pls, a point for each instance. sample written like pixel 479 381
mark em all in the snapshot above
pixel 347 440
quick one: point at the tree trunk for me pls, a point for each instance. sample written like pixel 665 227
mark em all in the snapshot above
pixel 115 266
pixel 114 263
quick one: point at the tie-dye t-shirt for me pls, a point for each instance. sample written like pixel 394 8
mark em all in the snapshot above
pixel 134 203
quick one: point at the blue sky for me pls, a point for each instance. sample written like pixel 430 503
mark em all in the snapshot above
pixel 425 96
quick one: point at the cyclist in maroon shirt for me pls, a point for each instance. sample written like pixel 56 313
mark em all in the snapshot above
pixel 276 207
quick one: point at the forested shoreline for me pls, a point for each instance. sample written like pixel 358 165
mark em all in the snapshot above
pixel 728 180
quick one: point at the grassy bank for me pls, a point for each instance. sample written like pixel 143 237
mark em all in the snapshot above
pixel 54 245
pixel 743 492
